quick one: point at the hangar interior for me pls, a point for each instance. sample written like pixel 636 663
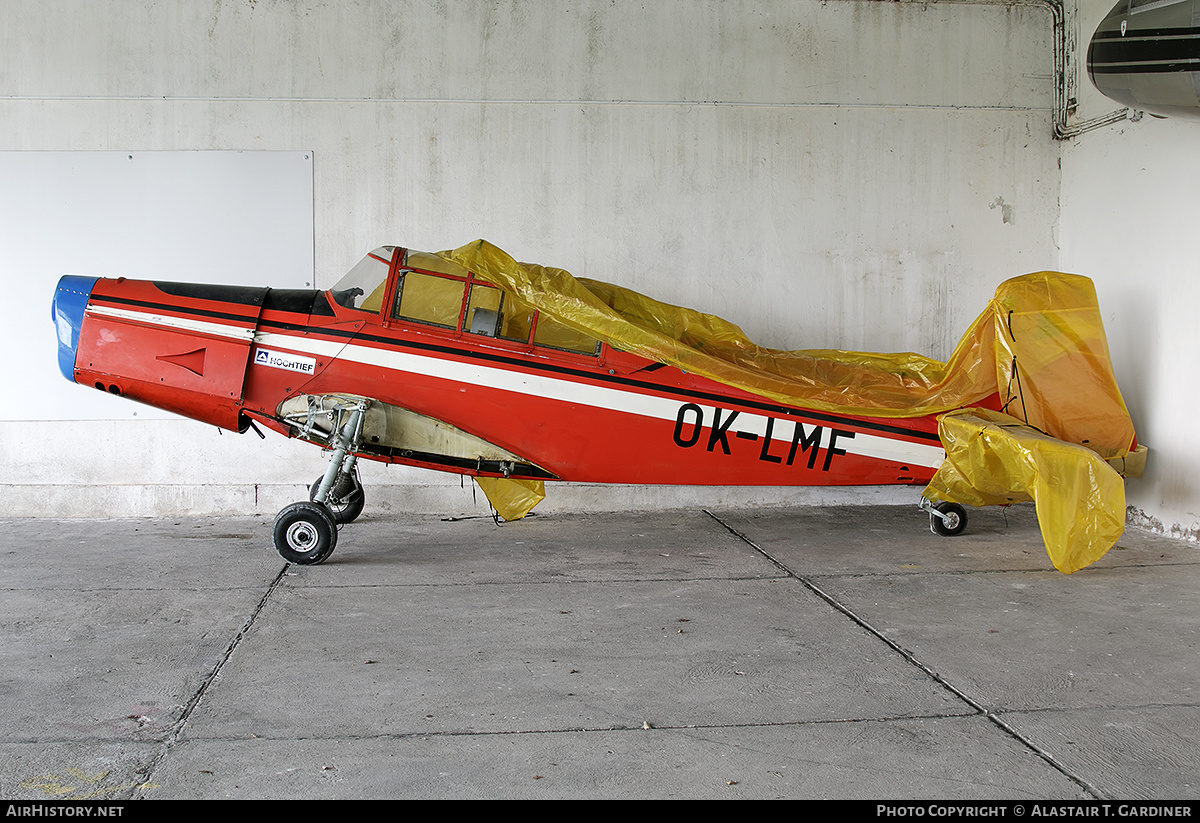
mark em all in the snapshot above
pixel 845 174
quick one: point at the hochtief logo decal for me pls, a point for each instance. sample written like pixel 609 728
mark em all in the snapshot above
pixel 279 360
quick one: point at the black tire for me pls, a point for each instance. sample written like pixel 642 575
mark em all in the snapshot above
pixel 345 507
pixel 304 533
pixel 954 525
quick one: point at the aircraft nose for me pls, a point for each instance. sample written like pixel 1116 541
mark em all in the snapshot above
pixel 70 300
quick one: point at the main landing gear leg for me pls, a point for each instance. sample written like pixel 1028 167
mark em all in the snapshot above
pixel 306 533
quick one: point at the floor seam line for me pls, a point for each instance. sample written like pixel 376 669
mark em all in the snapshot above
pixel 912 659
pixel 177 727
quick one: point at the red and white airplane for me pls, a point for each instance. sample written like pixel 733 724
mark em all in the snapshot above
pixel 413 359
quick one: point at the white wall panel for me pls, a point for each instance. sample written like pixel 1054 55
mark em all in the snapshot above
pixel 221 217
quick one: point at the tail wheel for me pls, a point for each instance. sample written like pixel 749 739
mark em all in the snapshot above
pixel 953 522
pixel 305 533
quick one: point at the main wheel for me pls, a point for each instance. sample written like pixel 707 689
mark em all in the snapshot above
pixel 305 533
pixel 346 499
pixel 955 522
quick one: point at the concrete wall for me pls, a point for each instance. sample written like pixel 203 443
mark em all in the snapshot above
pixel 827 174
pixel 1130 222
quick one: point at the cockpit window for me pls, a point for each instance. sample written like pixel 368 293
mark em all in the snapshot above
pixel 555 335
pixel 433 295
pixel 430 299
pixel 362 287
pixel 496 313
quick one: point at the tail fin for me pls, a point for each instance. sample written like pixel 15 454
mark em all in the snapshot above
pixel 1052 362
pixel 1064 421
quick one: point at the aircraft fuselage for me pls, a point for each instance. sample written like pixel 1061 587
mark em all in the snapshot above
pixel 447 398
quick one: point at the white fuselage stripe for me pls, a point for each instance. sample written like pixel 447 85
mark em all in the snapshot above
pixel 539 385
pixel 245 333
pixel 603 397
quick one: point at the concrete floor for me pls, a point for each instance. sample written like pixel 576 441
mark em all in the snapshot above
pixel 801 653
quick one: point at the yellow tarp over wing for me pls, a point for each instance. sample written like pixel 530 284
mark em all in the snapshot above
pixel 995 459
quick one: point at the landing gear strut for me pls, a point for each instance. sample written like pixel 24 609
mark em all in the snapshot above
pixel 306 533
pixel 345 500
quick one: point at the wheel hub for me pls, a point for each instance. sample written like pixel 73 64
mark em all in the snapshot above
pixel 302 537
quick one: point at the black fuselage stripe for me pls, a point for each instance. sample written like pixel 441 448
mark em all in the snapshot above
pixel 1145 51
pixel 1147 68
pixel 249 319
pixel 1144 34
pixel 1151 51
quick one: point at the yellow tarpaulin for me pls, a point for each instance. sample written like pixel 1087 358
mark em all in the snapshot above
pixel 995 459
pixel 512 497
pixel 1039 345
